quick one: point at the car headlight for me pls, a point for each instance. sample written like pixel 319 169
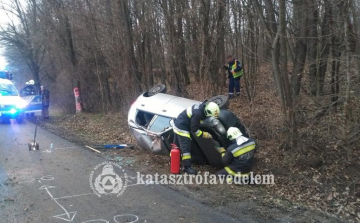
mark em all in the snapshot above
pixel 12 111
pixel 21 104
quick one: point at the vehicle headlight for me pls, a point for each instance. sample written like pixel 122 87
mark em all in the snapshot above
pixel 215 122
pixel 12 111
pixel 21 104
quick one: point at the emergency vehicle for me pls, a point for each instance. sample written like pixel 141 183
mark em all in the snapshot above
pixel 31 94
pixel 11 105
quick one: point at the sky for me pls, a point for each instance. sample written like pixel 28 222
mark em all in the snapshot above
pixel 3 63
pixel 4 19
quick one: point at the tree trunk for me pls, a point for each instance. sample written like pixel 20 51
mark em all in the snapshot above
pixel 347 109
pixel 135 74
pixel 313 45
pixel 300 46
pixel 336 54
pixel 325 42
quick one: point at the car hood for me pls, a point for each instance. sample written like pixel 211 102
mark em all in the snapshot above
pixel 11 100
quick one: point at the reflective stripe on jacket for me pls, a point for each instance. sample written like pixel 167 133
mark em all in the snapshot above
pixel 243 156
pixel 236 67
pixel 189 120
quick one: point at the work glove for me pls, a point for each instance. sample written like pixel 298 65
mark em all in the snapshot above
pixel 220 149
pixel 225 67
pixel 206 135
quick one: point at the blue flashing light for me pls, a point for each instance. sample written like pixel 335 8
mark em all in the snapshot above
pixel 13 111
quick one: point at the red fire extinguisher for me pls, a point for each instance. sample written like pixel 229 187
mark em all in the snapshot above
pixel 175 159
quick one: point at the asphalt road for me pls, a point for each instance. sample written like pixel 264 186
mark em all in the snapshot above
pixel 54 186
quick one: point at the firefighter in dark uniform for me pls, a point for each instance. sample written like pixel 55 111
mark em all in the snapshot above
pixel 189 121
pixel 238 158
pixel 45 102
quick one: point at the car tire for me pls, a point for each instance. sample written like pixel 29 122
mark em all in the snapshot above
pixel 20 118
pixel 221 100
pixel 160 88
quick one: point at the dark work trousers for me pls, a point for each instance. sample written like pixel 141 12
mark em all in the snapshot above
pixel 45 112
pixel 234 83
pixel 185 146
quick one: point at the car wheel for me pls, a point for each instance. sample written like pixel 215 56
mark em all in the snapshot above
pixel 160 88
pixel 221 100
pixel 20 118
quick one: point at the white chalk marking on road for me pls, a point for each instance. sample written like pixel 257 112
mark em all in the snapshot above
pixel 47 177
pixel 95 220
pixel 46 151
pixel 77 195
pixel 69 215
pixel 126 215
pixel 39 181
pixel 45 187
pixel 93 149
pixel 70 219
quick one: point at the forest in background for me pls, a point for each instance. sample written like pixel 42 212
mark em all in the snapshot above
pixel 114 50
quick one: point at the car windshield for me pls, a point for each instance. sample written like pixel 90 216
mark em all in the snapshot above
pixel 8 90
pixel 160 124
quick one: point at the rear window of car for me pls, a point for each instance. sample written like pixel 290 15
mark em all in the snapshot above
pixel 7 89
pixel 160 124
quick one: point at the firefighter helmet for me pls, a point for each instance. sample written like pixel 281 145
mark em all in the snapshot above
pixel 233 133
pixel 212 109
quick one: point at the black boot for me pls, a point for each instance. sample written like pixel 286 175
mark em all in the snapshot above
pixel 189 170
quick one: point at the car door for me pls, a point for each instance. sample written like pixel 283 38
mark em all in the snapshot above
pixel 161 134
pixel 139 128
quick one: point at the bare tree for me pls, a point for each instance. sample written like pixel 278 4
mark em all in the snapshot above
pixel 20 34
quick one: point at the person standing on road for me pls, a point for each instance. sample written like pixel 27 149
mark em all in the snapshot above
pixel 235 72
pixel 238 158
pixel 189 121
pixel 45 102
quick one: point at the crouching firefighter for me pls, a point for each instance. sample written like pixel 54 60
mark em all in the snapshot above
pixel 238 158
pixel 189 121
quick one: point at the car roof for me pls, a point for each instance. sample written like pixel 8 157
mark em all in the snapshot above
pixel 164 104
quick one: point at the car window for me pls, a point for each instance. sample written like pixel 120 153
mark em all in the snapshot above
pixel 143 118
pixel 160 124
pixel 8 90
pixel 29 90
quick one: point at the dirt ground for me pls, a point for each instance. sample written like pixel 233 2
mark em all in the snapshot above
pixel 315 183
pixel 267 202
